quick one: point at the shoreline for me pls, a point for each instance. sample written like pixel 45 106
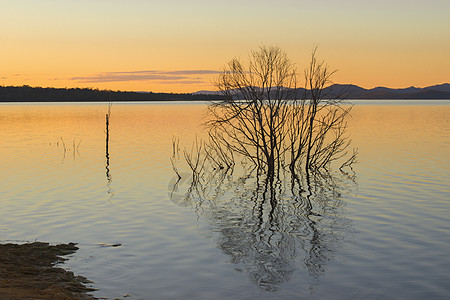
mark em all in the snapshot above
pixel 28 271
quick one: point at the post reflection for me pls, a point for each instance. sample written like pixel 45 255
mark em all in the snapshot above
pixel 108 174
pixel 272 227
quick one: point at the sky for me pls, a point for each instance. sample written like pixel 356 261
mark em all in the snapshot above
pixel 181 45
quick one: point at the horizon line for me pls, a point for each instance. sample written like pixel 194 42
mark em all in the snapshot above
pixel 203 90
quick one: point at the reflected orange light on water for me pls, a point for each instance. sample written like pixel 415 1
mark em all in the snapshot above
pixel 42 132
pixel 32 130
pixel 401 124
pixel 393 138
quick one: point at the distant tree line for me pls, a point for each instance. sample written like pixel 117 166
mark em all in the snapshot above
pixel 27 93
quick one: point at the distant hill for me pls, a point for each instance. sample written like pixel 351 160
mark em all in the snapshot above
pixel 37 94
pixel 441 87
pixel 350 91
pixel 203 92
pixel 441 91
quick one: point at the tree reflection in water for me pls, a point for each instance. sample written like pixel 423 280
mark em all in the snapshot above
pixel 284 207
pixel 271 228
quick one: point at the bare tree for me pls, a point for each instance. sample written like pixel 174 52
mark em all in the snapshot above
pixel 326 117
pixel 271 122
pixel 251 121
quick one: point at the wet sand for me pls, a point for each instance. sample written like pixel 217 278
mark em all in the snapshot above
pixel 28 271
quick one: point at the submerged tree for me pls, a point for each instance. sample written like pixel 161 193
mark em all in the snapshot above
pixel 273 123
pixel 270 125
pixel 254 125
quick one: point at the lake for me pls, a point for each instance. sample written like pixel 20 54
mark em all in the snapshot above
pixel 380 231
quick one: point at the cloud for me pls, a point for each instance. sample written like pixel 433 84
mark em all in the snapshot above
pixel 182 82
pixel 180 76
pixel 194 72
pixel 111 77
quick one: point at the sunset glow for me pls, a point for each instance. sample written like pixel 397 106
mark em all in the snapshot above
pixel 179 46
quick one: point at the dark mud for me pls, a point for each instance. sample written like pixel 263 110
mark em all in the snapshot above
pixel 28 271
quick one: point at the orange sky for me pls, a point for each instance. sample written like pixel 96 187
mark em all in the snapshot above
pixel 178 46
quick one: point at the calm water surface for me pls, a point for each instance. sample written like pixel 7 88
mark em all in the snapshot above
pixel 379 233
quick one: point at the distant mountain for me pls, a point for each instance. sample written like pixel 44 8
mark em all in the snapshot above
pixel 432 92
pixel 440 87
pixel 204 92
pixel 350 91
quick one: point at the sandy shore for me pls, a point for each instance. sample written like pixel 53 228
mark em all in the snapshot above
pixel 27 271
